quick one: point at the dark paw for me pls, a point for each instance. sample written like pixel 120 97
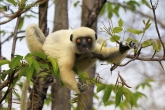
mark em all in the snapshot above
pixel 132 44
pixel 123 48
pixel 82 87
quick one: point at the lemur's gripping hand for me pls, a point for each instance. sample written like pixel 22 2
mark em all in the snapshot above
pixel 127 46
pixel 82 87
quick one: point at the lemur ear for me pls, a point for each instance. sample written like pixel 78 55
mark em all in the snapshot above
pixel 96 36
pixel 71 37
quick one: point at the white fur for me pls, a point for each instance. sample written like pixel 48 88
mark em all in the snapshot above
pixel 59 46
pixel 33 42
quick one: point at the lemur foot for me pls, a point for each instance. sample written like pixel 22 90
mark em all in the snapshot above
pixel 82 87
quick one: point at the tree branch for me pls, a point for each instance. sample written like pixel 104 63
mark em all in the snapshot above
pixel 156 25
pixel 10 36
pixel 92 16
pixel 20 11
pixel 15 37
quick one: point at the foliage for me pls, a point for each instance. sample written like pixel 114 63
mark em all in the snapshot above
pixel 29 66
pixel 112 8
pixel 34 64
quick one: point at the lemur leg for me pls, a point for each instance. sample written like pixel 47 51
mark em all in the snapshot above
pixel 68 78
pixel 67 74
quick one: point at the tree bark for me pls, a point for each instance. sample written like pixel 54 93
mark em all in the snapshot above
pixel 86 8
pixel 43 17
pixel 61 96
pixel 39 90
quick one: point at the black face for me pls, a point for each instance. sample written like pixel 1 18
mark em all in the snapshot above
pixel 84 44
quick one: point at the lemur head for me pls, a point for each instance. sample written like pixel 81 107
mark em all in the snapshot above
pixel 83 40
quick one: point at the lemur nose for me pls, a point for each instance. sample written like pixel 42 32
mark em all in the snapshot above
pixel 84 44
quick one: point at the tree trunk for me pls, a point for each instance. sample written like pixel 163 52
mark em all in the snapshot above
pixel 39 91
pixel 86 6
pixel 61 96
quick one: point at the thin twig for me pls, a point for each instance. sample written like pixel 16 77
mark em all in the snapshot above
pixel 10 88
pixel 15 37
pixel 156 24
pixel 10 36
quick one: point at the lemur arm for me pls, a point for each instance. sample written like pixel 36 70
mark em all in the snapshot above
pixel 112 54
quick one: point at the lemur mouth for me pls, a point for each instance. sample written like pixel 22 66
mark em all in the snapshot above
pixel 86 49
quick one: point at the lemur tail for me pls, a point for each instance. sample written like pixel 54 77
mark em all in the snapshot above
pixel 23 104
pixel 35 38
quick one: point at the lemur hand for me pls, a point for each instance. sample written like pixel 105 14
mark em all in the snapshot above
pixel 82 87
pixel 123 48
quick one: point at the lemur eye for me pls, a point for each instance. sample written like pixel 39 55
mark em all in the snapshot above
pixel 89 40
pixel 78 40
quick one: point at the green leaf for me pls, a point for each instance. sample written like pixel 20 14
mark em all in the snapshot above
pixel 148 22
pixel 29 59
pixel 107 103
pixel 109 6
pixel 147 26
pixel 103 44
pixel 96 96
pixel 100 87
pixel 116 10
pixel 137 95
pixel 76 3
pixel 103 9
pixel 107 93
pixel 132 4
pixel 21 23
pixel 3 62
pixel 54 63
pixel 128 95
pixel 110 14
pixel 159 45
pixel 128 39
pixel 83 76
pixel 120 22
pixel 29 73
pixel 23 72
pixel 154 46
pixel 114 38
pixel 146 3
pixel 15 61
pixel 36 65
pixel 145 83
pixel 118 97
pixel 149 80
pixel 12 1
pixel 2 32
pixel 147 43
pixel 40 55
pixel 135 31
pixel 5 73
pixel 44 65
pixel 117 29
